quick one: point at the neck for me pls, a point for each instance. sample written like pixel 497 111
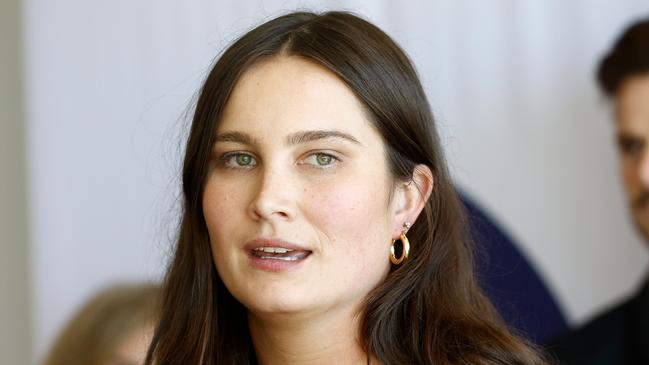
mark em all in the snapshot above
pixel 295 339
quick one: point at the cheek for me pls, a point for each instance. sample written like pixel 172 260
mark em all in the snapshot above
pixel 221 208
pixel 223 213
pixel 630 175
pixel 214 205
pixel 352 222
pixel 352 213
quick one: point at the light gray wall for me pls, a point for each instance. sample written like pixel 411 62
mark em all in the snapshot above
pixel 15 325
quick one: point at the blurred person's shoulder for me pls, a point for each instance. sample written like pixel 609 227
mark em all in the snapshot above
pixel 619 335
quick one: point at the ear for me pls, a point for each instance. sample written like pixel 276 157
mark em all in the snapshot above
pixel 410 198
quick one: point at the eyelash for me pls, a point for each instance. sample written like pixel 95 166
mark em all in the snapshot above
pixel 333 162
pixel 226 160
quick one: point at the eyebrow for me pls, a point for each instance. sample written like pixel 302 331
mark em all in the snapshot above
pixel 236 137
pixel 309 136
pixel 291 139
pixel 627 135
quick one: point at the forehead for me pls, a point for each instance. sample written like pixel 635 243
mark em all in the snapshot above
pixel 632 105
pixel 290 93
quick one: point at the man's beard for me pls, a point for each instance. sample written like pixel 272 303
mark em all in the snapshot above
pixel 641 200
pixel 640 203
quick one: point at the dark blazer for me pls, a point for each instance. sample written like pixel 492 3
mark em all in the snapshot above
pixel 618 336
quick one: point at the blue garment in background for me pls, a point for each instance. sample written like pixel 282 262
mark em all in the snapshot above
pixel 511 282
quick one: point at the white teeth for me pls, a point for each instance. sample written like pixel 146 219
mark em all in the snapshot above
pixel 290 258
pixel 273 249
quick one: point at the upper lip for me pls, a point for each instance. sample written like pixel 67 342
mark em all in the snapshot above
pixel 272 242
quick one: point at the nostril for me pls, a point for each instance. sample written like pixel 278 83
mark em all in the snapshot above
pixel 272 201
pixel 282 214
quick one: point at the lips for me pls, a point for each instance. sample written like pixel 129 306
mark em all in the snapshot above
pixel 276 255
pixel 279 253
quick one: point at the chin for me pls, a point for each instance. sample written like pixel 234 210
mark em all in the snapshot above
pixel 265 305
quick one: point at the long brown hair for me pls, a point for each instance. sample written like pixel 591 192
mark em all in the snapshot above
pixel 429 310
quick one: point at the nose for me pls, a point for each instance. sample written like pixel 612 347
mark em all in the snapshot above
pixel 273 200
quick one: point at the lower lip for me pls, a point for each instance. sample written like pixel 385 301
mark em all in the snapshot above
pixel 275 264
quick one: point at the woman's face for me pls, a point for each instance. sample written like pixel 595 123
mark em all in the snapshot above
pixel 297 201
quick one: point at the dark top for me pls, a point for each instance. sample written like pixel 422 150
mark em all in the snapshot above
pixel 619 336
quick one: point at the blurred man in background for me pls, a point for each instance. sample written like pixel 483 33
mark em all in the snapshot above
pixel 621 334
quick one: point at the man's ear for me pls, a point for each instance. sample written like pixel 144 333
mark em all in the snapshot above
pixel 411 197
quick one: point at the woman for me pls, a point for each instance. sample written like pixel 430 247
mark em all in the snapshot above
pixel 114 328
pixel 320 225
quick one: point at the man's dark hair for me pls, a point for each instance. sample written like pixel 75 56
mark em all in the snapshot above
pixel 629 57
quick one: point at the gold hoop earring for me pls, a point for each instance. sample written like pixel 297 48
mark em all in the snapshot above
pixel 405 247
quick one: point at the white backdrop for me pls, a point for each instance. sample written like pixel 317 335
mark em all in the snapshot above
pixel 511 82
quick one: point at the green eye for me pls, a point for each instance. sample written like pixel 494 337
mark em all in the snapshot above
pixel 323 159
pixel 238 160
pixel 243 160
